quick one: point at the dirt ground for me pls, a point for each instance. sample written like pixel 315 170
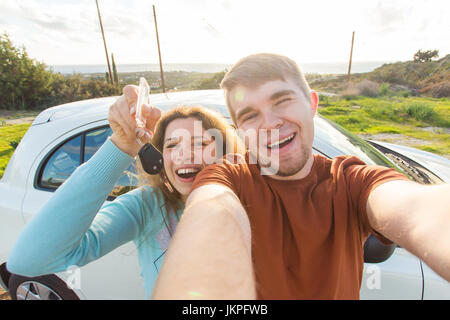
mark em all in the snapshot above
pixel 20 120
pixel 17 117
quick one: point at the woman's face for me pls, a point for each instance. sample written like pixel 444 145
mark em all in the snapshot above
pixel 187 149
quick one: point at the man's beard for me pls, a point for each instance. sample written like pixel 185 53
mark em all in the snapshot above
pixel 288 170
pixel 270 165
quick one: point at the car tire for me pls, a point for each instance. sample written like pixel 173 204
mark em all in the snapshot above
pixel 47 287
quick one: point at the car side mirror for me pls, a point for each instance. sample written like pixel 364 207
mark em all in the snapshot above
pixel 375 251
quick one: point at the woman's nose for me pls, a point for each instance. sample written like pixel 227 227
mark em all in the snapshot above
pixel 185 154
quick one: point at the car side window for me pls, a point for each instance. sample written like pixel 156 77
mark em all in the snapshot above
pixel 67 157
pixel 94 140
pixel 61 164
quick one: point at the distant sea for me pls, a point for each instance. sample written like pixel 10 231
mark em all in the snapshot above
pixel 319 68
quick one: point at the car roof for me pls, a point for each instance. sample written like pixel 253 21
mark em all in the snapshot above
pixel 98 108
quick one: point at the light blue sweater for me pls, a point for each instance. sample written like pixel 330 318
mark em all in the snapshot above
pixel 76 226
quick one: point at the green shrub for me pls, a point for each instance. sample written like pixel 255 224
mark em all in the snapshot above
pixel 353 120
pixel 419 111
pixel 14 143
pixel 405 93
pixel 383 90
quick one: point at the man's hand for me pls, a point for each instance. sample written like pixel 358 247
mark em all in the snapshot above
pixel 210 254
pixel 122 121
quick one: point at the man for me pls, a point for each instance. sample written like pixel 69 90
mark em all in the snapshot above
pixel 309 221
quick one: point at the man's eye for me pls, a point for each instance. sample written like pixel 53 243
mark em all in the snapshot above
pixel 249 117
pixel 282 101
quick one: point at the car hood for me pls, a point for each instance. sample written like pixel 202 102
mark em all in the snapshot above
pixel 440 166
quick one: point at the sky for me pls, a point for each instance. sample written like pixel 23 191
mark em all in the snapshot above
pixel 59 32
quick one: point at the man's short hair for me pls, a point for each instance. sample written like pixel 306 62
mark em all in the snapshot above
pixel 257 69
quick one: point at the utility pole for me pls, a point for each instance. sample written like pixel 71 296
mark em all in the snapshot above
pixel 104 43
pixel 159 51
pixel 351 53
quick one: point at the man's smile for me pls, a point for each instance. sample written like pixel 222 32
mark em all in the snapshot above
pixel 282 142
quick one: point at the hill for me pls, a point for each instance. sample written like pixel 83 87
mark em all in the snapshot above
pixel 431 78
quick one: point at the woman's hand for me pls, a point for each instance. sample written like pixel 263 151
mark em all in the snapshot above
pixel 122 121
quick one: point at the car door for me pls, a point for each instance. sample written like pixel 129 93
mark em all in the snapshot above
pixel 58 162
pixel 98 280
pixel 397 278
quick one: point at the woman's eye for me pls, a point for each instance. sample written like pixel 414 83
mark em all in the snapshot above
pixel 201 143
pixel 171 146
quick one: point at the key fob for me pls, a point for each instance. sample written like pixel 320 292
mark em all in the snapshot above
pixel 151 159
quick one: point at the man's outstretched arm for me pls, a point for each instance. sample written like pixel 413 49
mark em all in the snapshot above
pixel 210 254
pixel 417 217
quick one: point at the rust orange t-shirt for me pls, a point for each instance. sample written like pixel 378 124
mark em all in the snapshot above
pixel 308 234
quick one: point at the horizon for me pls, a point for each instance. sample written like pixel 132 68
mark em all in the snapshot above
pixel 307 68
pixel 218 63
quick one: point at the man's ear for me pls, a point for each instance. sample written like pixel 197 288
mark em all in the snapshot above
pixel 314 102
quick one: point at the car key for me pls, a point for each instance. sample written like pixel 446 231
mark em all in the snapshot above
pixel 151 158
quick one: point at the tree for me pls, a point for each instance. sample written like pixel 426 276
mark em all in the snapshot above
pixel 213 82
pixel 24 82
pixel 425 56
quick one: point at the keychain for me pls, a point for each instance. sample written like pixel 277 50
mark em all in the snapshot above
pixel 151 158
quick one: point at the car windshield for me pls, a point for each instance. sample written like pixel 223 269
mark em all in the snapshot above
pixel 332 140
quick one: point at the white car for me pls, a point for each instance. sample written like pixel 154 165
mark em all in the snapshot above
pixel 63 137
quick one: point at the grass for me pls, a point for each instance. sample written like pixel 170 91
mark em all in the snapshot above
pixel 10 135
pixel 407 116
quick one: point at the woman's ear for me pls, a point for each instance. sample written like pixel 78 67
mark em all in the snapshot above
pixel 314 102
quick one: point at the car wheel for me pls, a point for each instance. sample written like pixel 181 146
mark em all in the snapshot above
pixel 48 287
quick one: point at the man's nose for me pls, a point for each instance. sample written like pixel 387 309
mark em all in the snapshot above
pixel 270 121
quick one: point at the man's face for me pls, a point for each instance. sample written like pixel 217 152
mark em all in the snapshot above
pixel 279 107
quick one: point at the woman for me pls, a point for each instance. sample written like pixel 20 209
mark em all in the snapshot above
pixel 75 227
